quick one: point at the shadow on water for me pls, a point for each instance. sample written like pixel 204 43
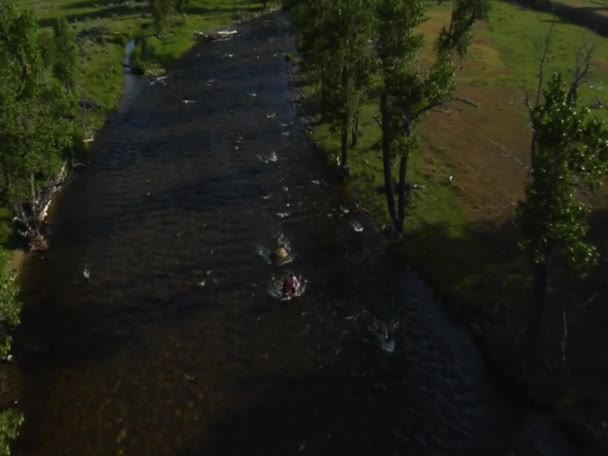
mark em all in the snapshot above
pixel 588 17
pixel 332 410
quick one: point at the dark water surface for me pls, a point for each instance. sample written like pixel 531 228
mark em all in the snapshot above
pixel 175 346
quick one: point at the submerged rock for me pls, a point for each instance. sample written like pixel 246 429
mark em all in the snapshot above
pixel 280 255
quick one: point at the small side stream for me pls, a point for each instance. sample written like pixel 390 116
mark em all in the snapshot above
pixel 132 84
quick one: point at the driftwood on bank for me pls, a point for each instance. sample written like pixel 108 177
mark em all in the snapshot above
pixel 466 101
pixel 30 216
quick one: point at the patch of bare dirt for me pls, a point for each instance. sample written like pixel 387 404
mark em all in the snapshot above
pixel 486 149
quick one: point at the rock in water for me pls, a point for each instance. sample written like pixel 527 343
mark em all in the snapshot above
pixel 281 255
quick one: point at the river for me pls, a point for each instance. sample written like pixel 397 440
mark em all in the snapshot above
pixel 175 343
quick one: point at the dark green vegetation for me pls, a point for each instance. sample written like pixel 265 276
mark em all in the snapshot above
pixel 569 156
pixel 469 172
pixel 37 125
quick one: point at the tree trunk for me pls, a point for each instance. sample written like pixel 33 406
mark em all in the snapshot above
pixel 389 188
pixel 346 120
pixel 344 157
pixel 535 326
pixel 323 97
pixel 355 133
pixel 33 190
pixel 403 193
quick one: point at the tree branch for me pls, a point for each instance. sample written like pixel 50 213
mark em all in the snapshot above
pixel 465 101
pixel 543 59
pixel 583 63
pixel 427 108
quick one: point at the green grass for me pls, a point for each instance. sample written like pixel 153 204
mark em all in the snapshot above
pixel 105 26
pixel 506 51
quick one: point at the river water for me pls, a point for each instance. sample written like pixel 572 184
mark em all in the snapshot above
pixel 176 345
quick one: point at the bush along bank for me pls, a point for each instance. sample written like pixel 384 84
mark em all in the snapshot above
pixel 10 308
pixel 463 230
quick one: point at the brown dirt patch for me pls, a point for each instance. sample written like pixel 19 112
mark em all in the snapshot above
pixel 485 148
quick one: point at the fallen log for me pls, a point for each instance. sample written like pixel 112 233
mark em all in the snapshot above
pixel 465 101
pixel 30 216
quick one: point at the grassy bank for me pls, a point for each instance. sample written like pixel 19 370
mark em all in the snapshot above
pixel 460 235
pixel 104 27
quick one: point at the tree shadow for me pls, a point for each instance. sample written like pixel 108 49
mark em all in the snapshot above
pixel 337 409
pixel 89 4
pixel 578 15
pixel 113 12
pixel 485 281
pixel 202 10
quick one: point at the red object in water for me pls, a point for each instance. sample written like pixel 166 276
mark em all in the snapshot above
pixel 290 285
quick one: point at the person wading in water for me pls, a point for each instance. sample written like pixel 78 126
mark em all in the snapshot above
pixel 291 285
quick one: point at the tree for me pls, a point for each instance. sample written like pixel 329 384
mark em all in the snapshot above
pixel 315 41
pixel 10 424
pixel 163 9
pixel 408 92
pixel 66 53
pixel 334 39
pixel 36 129
pixel 349 73
pixel 10 307
pixel 569 155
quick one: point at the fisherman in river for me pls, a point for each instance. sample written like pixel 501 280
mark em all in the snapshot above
pixel 291 285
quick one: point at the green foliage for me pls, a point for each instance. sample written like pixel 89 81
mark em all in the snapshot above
pixel 335 37
pixel 408 91
pixel 66 53
pixel 569 157
pixel 10 306
pixel 35 115
pixel 163 9
pixel 10 424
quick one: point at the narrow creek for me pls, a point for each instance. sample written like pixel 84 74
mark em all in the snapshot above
pixel 175 345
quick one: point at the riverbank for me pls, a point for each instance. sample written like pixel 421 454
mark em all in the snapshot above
pixel 468 178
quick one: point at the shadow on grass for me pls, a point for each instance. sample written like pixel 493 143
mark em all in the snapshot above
pixel 475 268
pixel 485 280
pixel 106 13
pixel 577 15
pixel 94 4
pixel 233 9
